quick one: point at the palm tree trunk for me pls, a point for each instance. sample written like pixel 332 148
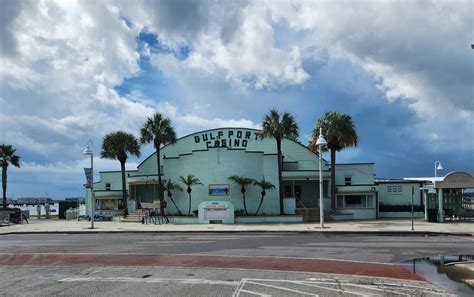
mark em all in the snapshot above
pixel 124 187
pixel 280 179
pixel 333 180
pixel 245 205
pixel 189 209
pixel 4 185
pixel 260 205
pixel 160 182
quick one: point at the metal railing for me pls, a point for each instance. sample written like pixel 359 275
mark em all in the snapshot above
pixel 305 209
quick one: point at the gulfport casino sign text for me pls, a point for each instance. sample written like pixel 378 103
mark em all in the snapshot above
pixel 229 138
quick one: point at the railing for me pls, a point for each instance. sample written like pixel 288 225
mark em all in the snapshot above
pixel 305 209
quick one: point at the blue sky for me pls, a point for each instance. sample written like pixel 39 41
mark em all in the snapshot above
pixel 76 70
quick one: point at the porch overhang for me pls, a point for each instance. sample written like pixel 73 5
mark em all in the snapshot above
pixel 304 175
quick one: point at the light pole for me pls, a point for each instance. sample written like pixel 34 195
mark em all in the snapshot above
pixel 88 152
pixel 320 143
pixel 436 168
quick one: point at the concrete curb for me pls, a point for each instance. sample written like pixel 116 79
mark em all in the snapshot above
pixel 316 232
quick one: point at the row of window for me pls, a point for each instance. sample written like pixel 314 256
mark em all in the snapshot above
pixel 355 201
pixel 394 189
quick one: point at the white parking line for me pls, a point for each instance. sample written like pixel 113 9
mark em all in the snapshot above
pixel 282 288
pixel 149 280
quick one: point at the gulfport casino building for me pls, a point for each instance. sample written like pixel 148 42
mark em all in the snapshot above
pixel 214 155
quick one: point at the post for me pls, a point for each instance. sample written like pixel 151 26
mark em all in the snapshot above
pixel 321 202
pixel 412 215
pixel 92 192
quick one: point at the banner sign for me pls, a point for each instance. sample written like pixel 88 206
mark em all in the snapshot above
pixel 88 172
pixel 218 189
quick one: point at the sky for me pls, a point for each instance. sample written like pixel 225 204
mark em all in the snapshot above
pixel 71 71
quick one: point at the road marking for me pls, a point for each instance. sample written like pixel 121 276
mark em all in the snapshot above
pixel 327 288
pixel 149 280
pixel 255 293
pixel 282 288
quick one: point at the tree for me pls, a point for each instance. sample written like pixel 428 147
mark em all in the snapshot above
pixel 189 181
pixel 279 126
pixel 117 145
pixel 264 185
pixel 340 133
pixel 242 182
pixel 8 157
pixel 169 187
pixel 158 129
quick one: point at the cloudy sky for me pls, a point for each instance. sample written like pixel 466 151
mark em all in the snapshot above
pixel 74 70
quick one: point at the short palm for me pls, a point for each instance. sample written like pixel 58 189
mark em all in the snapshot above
pixel 242 182
pixel 265 186
pixel 190 181
pixel 169 187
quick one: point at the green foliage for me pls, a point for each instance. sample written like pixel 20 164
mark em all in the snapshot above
pixel 242 182
pixel 157 129
pixel 338 130
pixel 7 157
pixel 264 185
pixel 278 126
pixel 189 181
pixel 117 145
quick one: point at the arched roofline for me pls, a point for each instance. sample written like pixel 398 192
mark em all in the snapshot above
pixel 214 129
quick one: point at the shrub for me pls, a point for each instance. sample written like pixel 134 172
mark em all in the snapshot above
pixel 400 208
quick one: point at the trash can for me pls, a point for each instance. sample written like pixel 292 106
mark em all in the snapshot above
pixel 432 215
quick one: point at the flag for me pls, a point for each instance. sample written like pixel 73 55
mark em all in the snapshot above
pixel 88 172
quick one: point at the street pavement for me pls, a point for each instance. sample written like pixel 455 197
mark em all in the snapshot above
pixel 219 263
pixel 370 226
pixel 350 258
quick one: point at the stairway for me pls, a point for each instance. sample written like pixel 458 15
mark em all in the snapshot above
pixel 134 217
pixel 312 216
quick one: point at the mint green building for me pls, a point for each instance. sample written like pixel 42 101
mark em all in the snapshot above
pixel 214 155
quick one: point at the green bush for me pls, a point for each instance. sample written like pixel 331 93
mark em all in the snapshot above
pixel 400 208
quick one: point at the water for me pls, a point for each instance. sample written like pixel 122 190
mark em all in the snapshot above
pixel 440 271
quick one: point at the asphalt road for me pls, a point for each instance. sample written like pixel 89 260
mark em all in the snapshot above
pixel 219 271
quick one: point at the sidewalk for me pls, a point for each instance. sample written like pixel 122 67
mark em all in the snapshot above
pixel 401 226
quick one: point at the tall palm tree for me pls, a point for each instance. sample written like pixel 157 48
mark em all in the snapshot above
pixel 264 185
pixel 169 187
pixel 117 145
pixel 242 182
pixel 340 133
pixel 7 157
pixel 158 129
pixel 189 181
pixel 279 126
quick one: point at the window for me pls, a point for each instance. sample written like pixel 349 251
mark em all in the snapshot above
pixel 348 180
pixel 355 201
pixel 389 189
pixel 399 189
pixel 107 186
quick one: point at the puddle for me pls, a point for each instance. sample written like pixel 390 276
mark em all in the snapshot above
pixel 442 271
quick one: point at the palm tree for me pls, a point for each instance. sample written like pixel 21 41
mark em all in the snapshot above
pixel 158 129
pixel 279 126
pixel 169 187
pixel 340 133
pixel 264 185
pixel 7 156
pixel 242 182
pixel 117 145
pixel 189 181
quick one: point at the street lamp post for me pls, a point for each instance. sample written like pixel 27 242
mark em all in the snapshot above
pixel 436 168
pixel 88 152
pixel 320 143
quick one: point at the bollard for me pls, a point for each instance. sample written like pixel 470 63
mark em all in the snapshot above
pixel 38 211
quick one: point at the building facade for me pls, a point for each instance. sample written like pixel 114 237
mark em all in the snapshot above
pixel 215 155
